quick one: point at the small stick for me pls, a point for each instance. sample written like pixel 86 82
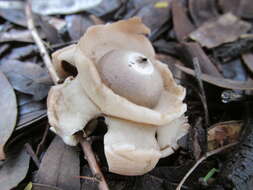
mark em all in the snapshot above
pixel 39 147
pixel 208 154
pixel 84 143
pixel 39 43
pixel 88 178
pixel 201 86
pixel 203 95
pixel 34 157
pixel 95 169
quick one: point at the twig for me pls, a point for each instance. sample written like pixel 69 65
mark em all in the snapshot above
pixel 95 169
pixel 39 147
pixel 203 94
pixel 84 143
pixel 34 157
pixel 201 86
pixel 39 43
pixel 88 178
pixel 208 154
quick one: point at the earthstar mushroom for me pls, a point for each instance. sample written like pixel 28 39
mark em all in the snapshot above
pixel 131 75
pixel 119 78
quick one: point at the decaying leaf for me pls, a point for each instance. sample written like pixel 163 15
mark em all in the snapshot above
pixel 16 16
pixel 191 50
pixel 4 48
pixel 181 22
pixel 245 9
pixel 37 186
pixel 27 77
pixel 221 82
pixel 60 166
pixel 223 133
pixel 202 10
pixel 23 52
pixel 51 33
pixel 14 170
pixel 8 110
pixel 152 16
pixel 231 50
pixel 29 110
pixel 235 70
pixel 225 28
pixel 242 8
pixel 229 5
pixel 16 35
pixel 62 7
pixel 105 7
pixel 77 25
pixel 248 60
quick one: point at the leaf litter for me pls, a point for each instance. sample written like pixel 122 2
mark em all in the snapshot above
pixel 224 54
pixel 8 108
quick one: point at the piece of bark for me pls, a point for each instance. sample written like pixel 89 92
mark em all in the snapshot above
pixel 234 49
pixel 226 28
pixel 238 170
pixel 182 24
pixel 191 50
pixel 202 10
pixel 59 166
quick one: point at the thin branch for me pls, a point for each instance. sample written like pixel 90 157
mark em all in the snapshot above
pixel 95 169
pixel 88 178
pixel 34 157
pixel 47 60
pixel 201 86
pixel 40 145
pixel 203 97
pixel 208 154
pixel 39 43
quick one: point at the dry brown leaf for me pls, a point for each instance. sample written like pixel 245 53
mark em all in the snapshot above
pixel 191 50
pixel 181 22
pixel 27 78
pixel 14 170
pixel 248 60
pixel 225 28
pixel 202 10
pixel 223 133
pixel 59 166
pixel 8 110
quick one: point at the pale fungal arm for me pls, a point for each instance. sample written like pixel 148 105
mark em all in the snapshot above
pixel 69 109
pixel 168 135
pixel 130 148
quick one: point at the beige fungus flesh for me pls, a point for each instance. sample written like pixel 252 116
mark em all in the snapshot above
pixel 139 133
pixel 131 75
